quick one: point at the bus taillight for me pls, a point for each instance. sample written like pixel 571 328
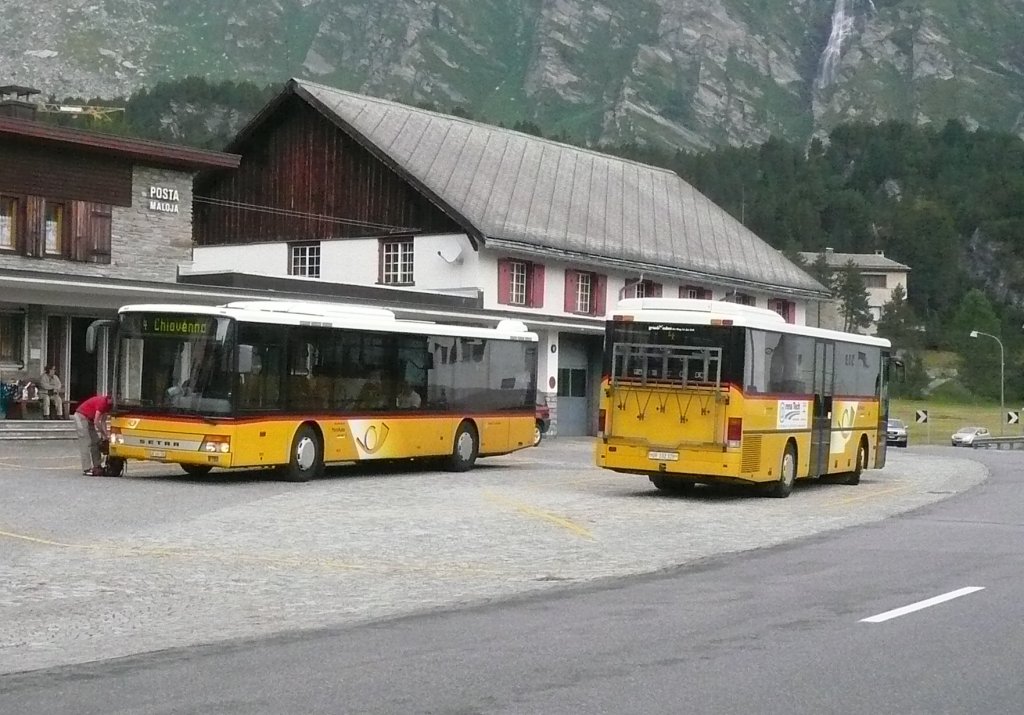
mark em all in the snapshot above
pixel 734 433
pixel 600 421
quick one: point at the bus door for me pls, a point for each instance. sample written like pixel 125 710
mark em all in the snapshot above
pixel 821 418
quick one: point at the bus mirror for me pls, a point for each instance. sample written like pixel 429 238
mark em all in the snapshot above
pixel 92 333
pixel 245 359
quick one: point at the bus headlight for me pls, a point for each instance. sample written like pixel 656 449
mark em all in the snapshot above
pixel 214 443
pixel 115 436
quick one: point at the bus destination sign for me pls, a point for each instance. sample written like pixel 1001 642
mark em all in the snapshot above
pixel 184 326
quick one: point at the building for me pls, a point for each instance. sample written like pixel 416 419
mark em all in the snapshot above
pixel 88 222
pixel 335 188
pixel 881 276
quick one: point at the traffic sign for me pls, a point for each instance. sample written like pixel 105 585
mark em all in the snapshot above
pixel 1012 417
pixel 922 417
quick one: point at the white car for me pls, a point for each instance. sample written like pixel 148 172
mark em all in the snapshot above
pixel 965 436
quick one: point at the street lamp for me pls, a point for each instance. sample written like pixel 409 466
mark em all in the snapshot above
pixel 1002 382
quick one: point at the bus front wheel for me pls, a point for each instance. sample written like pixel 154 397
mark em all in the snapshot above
pixel 196 470
pixel 787 475
pixel 307 456
pixel 465 448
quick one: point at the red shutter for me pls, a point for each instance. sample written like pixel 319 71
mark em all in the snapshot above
pixel 684 291
pixel 599 286
pixel 536 286
pixel 656 289
pixel 504 281
pixel 572 286
pixel 630 290
pixel 790 311
pixel 705 293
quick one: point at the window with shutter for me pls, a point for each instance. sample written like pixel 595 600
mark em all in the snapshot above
pixel 695 292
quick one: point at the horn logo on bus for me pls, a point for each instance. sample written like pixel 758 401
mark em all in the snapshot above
pixel 373 439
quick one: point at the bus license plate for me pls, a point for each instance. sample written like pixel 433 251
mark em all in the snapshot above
pixel 157 454
pixel 663 456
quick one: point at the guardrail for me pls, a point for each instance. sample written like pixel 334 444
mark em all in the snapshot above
pixel 998 443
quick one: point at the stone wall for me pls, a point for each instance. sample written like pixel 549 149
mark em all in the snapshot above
pixel 145 243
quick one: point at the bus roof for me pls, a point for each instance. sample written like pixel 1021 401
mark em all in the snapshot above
pixel 689 311
pixel 336 315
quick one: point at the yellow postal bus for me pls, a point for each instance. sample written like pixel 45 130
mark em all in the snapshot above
pixel 698 391
pixel 295 385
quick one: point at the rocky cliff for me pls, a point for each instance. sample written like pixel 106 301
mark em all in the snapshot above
pixel 684 73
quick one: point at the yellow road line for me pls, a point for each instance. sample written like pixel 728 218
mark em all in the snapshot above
pixel 548 516
pixel 872 495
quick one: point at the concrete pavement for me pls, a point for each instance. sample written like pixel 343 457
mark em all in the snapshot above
pixel 96 568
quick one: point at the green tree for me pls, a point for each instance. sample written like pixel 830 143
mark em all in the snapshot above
pixel 979 357
pixel 898 322
pixel 852 295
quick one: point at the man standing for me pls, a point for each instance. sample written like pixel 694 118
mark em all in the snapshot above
pixel 90 423
pixel 51 389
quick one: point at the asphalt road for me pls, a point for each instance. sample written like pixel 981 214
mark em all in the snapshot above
pixel 777 629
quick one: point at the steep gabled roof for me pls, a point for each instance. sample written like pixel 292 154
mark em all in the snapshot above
pixel 863 261
pixel 520 192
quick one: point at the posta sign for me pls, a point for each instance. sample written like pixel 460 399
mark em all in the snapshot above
pixel 164 199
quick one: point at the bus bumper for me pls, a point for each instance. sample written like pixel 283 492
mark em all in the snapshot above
pixel 171 456
pixel 642 459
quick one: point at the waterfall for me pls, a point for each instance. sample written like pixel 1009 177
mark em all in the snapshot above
pixel 841 26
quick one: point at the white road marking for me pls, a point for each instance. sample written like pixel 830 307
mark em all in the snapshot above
pixel 897 612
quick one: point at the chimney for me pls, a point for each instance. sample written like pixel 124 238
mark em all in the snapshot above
pixel 880 252
pixel 19 107
pixel 828 251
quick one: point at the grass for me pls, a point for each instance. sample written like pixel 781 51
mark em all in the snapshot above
pixel 945 419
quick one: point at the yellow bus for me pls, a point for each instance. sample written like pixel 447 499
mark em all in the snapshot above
pixel 698 391
pixel 297 385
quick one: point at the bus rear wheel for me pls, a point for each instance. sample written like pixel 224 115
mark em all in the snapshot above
pixel 465 449
pixel 671 485
pixel 307 456
pixel 787 475
pixel 853 478
pixel 196 470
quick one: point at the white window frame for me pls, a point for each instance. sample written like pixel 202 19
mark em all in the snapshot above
pixel 9 224
pixel 53 231
pixel 584 292
pixel 397 262
pixel 518 282
pixel 304 260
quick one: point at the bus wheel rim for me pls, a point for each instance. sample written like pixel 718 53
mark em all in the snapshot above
pixel 305 453
pixel 465 446
pixel 788 468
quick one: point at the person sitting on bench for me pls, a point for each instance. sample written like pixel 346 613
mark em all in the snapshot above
pixel 50 391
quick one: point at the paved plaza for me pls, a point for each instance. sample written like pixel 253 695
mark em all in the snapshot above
pixel 95 568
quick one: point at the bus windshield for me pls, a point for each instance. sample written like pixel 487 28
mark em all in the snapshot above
pixel 176 363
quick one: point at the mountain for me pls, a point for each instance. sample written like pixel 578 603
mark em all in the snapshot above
pixel 671 73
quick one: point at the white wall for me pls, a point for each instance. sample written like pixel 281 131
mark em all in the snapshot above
pixel 444 263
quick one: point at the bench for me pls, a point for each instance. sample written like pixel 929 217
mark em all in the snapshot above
pixel 22 409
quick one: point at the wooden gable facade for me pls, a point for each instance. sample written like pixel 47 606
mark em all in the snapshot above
pixel 302 177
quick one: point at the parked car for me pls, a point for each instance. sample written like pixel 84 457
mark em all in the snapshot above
pixel 542 424
pixel 965 436
pixel 896 433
